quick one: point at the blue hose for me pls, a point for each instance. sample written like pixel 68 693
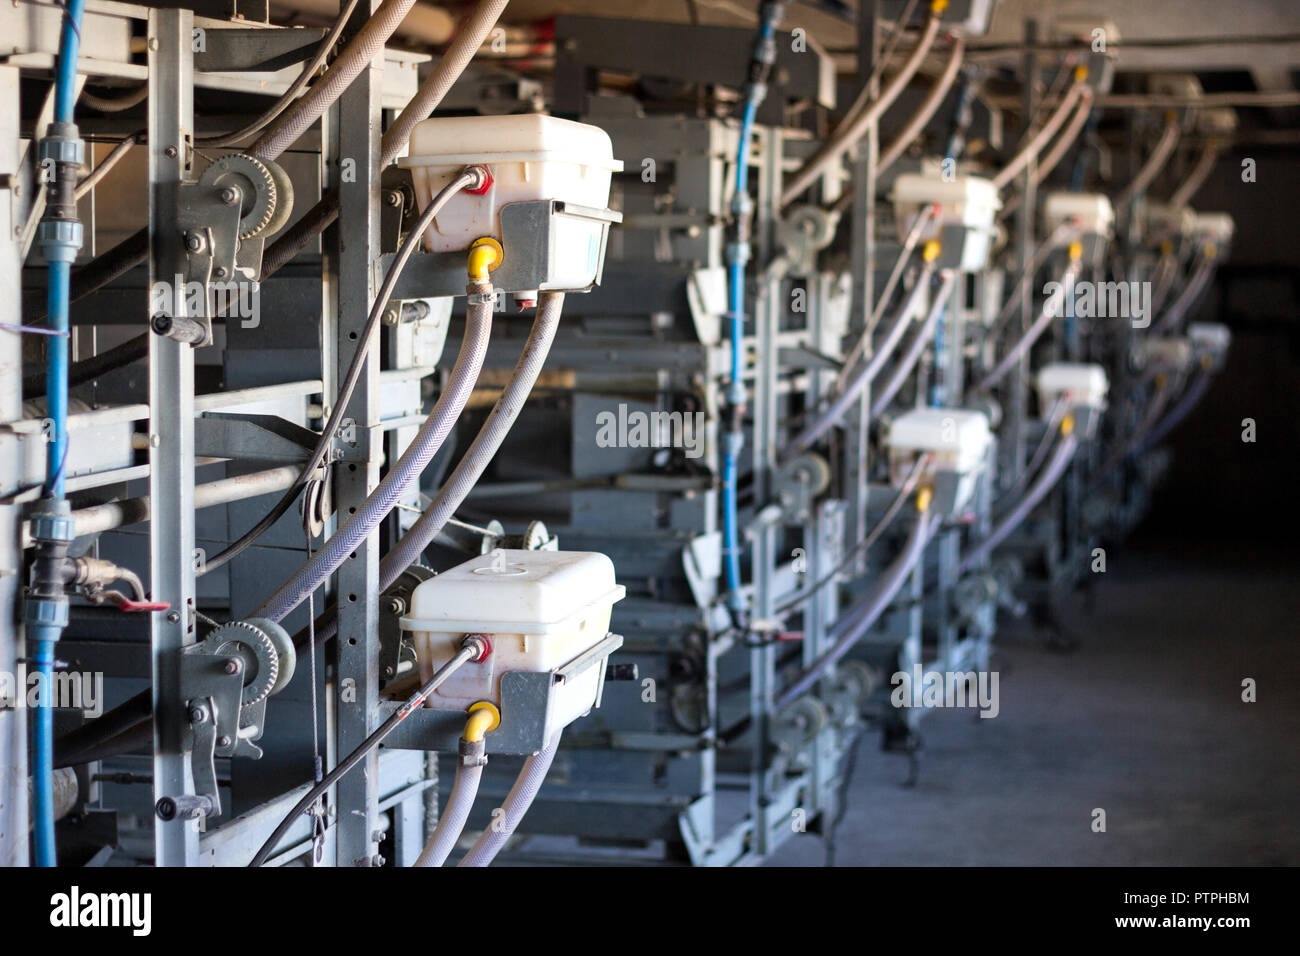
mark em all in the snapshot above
pixel 44 635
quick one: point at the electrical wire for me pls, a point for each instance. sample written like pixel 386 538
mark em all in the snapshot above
pixel 471 649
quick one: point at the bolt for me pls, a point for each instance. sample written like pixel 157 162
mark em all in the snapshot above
pixel 224 741
pixel 394 198
pixel 233 666
pixel 230 195
pixel 198 715
pixel 193 242
pixel 170 152
pixel 222 272
pixel 154 441
pixel 173 616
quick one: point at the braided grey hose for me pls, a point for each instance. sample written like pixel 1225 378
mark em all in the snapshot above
pixel 452 822
pixel 434 431
pixel 516 804
pixel 356 56
pixel 471 467
pixel 473 32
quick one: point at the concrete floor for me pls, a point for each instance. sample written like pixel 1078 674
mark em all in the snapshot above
pixel 1145 720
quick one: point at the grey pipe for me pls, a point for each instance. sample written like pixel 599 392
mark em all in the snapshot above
pixel 478 327
pixel 452 821
pixel 913 353
pixel 1044 483
pixel 938 93
pixel 1051 309
pixel 1187 298
pixel 860 620
pixel 835 411
pixel 1180 411
pixel 516 804
pixel 356 56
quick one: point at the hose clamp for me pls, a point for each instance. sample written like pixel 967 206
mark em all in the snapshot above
pixel 473 753
pixel 49 612
pixel 482 298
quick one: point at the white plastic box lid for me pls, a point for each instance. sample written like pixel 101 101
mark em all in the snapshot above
pixel 1212 335
pixel 515 592
pixel 521 138
pixel 966 200
pixel 1092 211
pixel 949 431
pixel 1080 382
pixel 1215 226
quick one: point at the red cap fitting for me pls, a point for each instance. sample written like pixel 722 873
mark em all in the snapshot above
pixel 488 183
pixel 487 647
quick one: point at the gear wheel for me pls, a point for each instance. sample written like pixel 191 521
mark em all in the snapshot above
pixel 257 189
pixel 257 651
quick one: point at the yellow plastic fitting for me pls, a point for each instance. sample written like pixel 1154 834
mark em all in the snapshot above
pixel 1080 74
pixel 1211 250
pixel 1067 424
pixel 923 498
pixel 482 720
pixel 938 6
pixel 1076 251
pixel 485 254
pixel 930 251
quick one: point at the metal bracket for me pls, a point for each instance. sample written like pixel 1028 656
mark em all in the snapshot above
pixel 209 236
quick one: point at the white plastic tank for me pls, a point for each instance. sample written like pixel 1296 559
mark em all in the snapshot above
pixel 541 609
pixel 1080 383
pixel 531 157
pixel 956 438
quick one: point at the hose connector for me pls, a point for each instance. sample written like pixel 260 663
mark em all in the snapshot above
pixel 924 498
pixel 930 251
pixel 485 254
pixel 481 643
pixel 1067 425
pixel 482 720
pixel 53 530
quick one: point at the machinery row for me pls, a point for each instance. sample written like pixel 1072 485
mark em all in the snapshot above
pixel 411 459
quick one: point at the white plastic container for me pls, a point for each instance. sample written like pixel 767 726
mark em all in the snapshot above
pixel 541 609
pixel 1091 213
pixel 1174 353
pixel 531 157
pixel 956 438
pixel 965 201
pixel 1216 227
pixel 1080 384
pixel 1211 337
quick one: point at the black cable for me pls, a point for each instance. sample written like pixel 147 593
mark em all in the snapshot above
pixel 466 179
pixel 472 648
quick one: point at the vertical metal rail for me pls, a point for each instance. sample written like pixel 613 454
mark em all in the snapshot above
pixel 356 148
pixel 767 320
pixel 171 426
pixel 13 725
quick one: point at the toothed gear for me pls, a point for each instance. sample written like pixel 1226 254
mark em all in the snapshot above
pixel 257 651
pixel 259 194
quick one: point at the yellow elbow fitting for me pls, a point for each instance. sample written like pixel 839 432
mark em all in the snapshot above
pixel 923 498
pixel 485 254
pixel 482 720
pixel 1067 425
pixel 930 251
pixel 1076 251
pixel 1080 74
pixel 938 6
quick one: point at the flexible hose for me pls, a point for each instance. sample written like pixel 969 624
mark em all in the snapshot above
pixel 356 56
pixel 1164 148
pixel 472 34
pixel 1191 398
pixel 861 116
pixel 1051 309
pixel 1045 482
pixel 860 619
pixel 835 411
pixel 485 445
pixel 938 93
pixel 1040 139
pixel 452 821
pixel 917 346
pixel 1186 299
pixel 1196 178
pixel 516 804
pixel 478 327
pixel 472 648
pixel 1067 138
